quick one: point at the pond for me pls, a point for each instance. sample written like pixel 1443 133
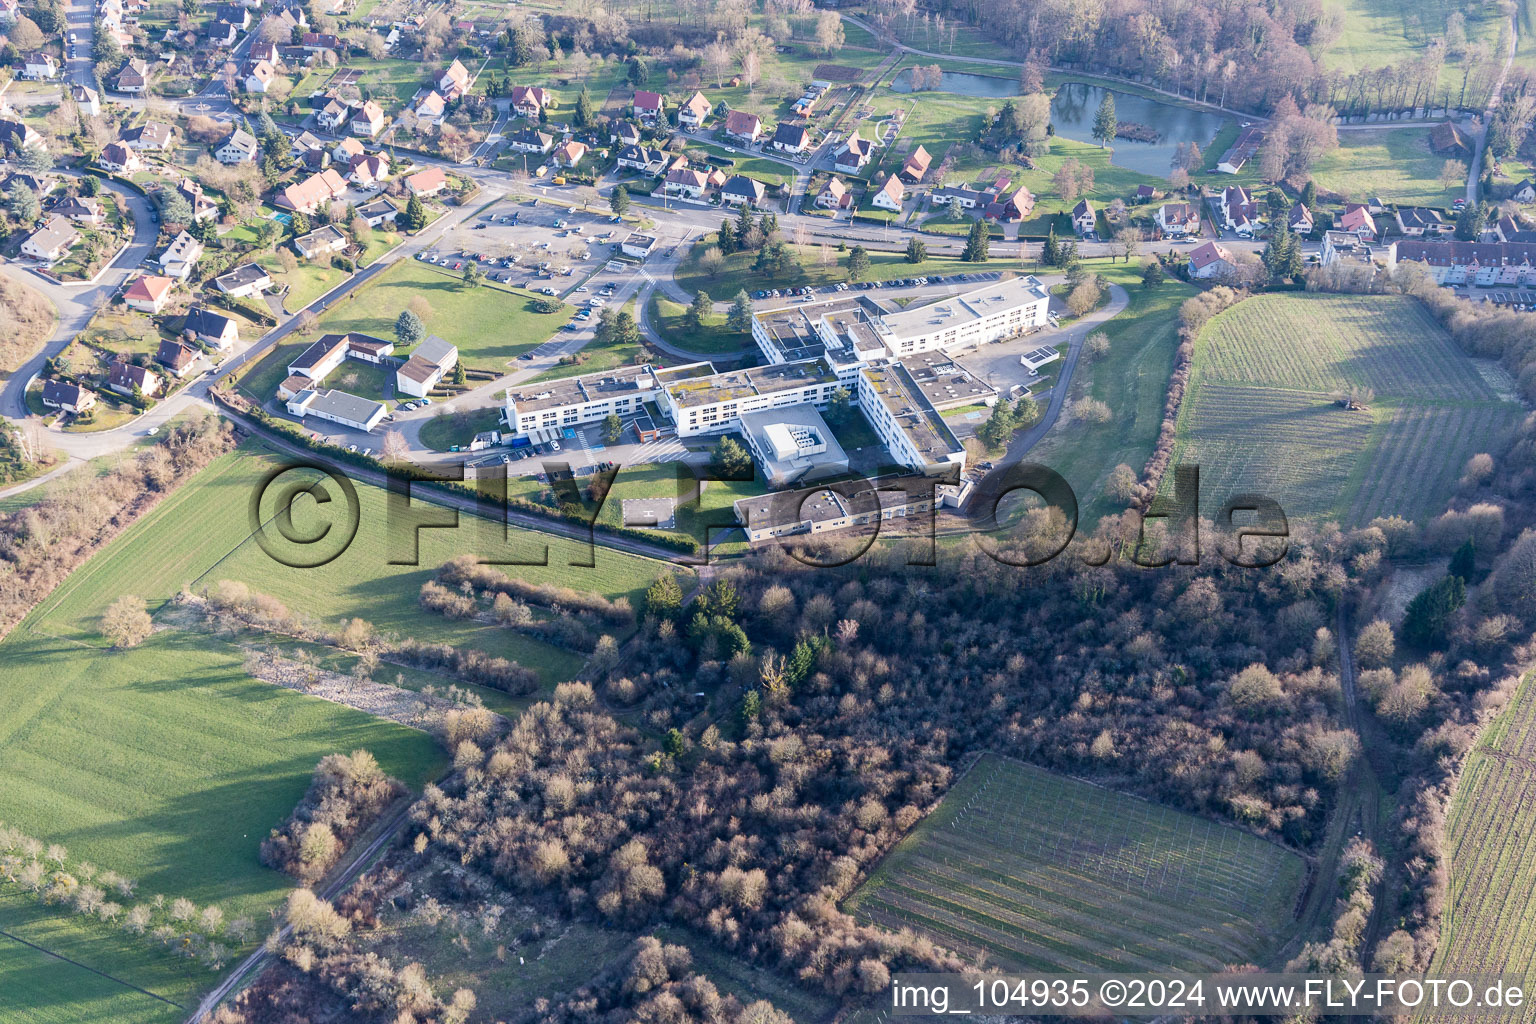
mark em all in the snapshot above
pixel 1075 103
pixel 1073 107
pixel 962 84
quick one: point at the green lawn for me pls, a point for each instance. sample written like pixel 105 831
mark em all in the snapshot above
pixel 769 172
pixel 492 325
pixel 125 331
pixel 458 428
pixel 1261 412
pixel 1393 163
pixel 359 378
pixel 306 282
pixel 738 275
pixel 595 357
pixel 43 989
pixel 1133 380
pixel 1378 33
pixel 671 319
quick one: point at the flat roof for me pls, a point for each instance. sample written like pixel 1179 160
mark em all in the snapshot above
pixel 591 387
pixel 946 383
pixel 913 413
pixel 770 428
pixel 955 310
pixel 793 329
pixel 759 380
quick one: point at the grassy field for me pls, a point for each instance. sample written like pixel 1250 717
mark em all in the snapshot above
pixel 1489 841
pixel 167 762
pixel 596 357
pixel 492 325
pixel 1037 871
pixel 42 989
pixel 711 336
pixel 1393 163
pixel 738 275
pixel 1379 33
pixel 1132 379
pixel 1260 415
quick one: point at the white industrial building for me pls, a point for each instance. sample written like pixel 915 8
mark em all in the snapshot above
pixel 338 407
pixel 793 445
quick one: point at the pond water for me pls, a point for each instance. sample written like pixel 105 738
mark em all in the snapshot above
pixel 962 84
pixel 1072 111
pixel 1075 103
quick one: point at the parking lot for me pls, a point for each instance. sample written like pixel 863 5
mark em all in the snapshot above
pixel 539 246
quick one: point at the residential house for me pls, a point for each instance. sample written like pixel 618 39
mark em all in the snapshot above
pixel 714 179
pixel 428 182
pixel 529 100
pixel 1016 205
pixel 430 109
pixel 368 120
pixel 1177 219
pixel 125 378
pixel 891 195
pixel 790 138
pixel 309 142
pixel 314 191
pixel 119 159
pixel 834 195
pixel 984 196
pixel 624 133
pixel 237 15
pixel 1524 192
pixel 181 256
pixel 346 150
pixel 1238 210
pixel 1421 222
pixel 319 42
pixel 379 211
pixel 1144 194
pixel 1241 151
pixel 86 98
pixel 148 294
pixel 39 65
pixel 1211 260
pixel 176 357
pixel 40 186
pixel 240 148
pixel 695 111
pixel 1084 217
pixel 425 367
pixel 267 51
pixel 853 154
pixel 211 328
pixel 648 106
pixel 568 154
pixel 1299 220
pixel 259 76
pixel 369 170
pixel 742 126
pixel 323 240
pixel 915 167
pixel 150 137
pixel 220 33
pixel 19 135
pixel 82 211
pixel 454 82
pixel 333 115
pixel 133 76
pixel 1357 220
pixel 1476 263
pixel 640 158
pixel 742 189
pixel 531 140
pixel 685 182
pixel 71 398
pixel 203 208
pixel 10 10
pixel 244 280
pixel 52 241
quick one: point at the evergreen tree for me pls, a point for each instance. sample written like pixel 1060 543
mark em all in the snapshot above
pixel 638 73
pixel 613 429
pixel 1152 275
pixel 999 428
pixel 916 250
pixel 1104 123
pixel 1050 255
pixel 740 316
pixel 1275 256
pixel 1309 195
pixel 619 201
pixel 839 407
pixel 976 245
pixel 664 599
pixel 1428 618
pixel 582 115
pixel 726 238
pixel 730 460
pixel 409 329
pixel 414 217
pixel 743 224
pixel 701 307
pixel 858 262
pixel 1464 561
